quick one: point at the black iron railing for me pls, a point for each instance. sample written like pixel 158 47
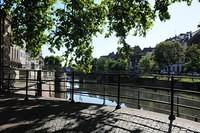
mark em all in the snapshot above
pixel 109 85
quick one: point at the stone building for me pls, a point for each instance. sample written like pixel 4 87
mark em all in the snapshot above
pixel 6 71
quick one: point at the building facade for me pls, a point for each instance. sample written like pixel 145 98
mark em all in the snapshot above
pixel 12 55
pixel 184 39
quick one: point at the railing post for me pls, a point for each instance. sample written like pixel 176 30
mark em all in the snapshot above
pixel 118 94
pixel 9 81
pixel 172 116
pixel 139 98
pixel 72 91
pixel 104 89
pixel 27 76
pixel 39 83
pixel 49 88
pixel 177 106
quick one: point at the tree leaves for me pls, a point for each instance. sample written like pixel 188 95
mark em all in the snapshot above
pixel 31 20
pixel 167 53
pixel 53 62
pixel 39 22
pixel 76 25
pixel 192 58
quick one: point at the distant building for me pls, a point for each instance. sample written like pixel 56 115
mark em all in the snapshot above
pixel 12 55
pixel 19 58
pixel 185 39
pixel 182 38
pixel 111 55
pixel 148 50
pixel 195 39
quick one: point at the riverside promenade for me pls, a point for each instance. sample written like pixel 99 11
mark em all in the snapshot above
pixel 39 115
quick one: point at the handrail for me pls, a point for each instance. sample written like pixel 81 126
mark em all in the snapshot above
pixel 138 90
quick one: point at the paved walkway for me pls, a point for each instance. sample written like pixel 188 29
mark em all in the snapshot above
pixel 56 115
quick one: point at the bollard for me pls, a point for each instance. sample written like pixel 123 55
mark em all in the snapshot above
pixel 118 94
pixel 72 91
pixel 172 116
pixel 27 74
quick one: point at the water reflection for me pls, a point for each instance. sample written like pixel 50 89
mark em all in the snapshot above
pixel 134 97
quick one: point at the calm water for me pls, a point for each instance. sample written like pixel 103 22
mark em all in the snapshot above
pixel 129 98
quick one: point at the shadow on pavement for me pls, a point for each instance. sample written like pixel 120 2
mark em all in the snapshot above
pixel 37 115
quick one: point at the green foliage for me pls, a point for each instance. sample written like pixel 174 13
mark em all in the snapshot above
pixel 101 64
pixel 167 53
pixel 110 65
pixel 192 55
pixel 135 56
pixel 127 15
pixel 30 21
pixel 124 52
pixel 147 64
pixel 53 62
pixel 161 6
pixel 76 25
pixel 136 53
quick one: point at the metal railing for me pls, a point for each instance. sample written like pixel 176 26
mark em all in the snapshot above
pixel 160 99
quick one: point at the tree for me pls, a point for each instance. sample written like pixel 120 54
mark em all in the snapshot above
pixel 135 56
pixel 101 64
pixel 116 65
pixel 192 55
pixel 167 53
pixel 147 64
pixel 75 26
pixel 110 65
pixel 53 62
pixel 31 19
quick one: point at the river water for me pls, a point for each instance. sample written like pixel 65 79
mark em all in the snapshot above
pixel 146 99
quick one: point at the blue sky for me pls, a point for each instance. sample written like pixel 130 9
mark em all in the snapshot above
pixel 183 19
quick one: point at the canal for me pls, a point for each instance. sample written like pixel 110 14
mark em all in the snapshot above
pixel 187 104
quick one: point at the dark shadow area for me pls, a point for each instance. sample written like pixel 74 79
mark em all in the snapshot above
pixel 39 115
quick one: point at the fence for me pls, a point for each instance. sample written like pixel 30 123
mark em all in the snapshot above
pixel 169 100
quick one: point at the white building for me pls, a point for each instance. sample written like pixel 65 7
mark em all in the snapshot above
pixel 184 39
pixel 21 59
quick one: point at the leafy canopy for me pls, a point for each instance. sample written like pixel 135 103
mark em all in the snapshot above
pixel 147 64
pixel 31 19
pixel 40 22
pixel 110 65
pixel 75 26
pixel 167 53
pixel 192 55
pixel 53 62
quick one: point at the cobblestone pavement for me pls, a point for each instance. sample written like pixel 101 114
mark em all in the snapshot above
pixel 56 115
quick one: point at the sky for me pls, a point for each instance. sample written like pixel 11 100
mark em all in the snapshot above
pixel 183 19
